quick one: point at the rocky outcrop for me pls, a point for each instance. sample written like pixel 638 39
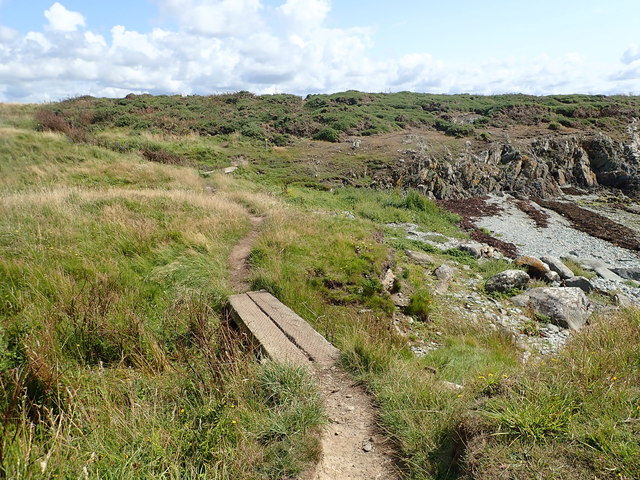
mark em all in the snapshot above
pixel 537 167
pixel 566 307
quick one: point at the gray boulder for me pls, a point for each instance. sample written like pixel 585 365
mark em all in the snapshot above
pixel 507 280
pixel 445 274
pixel 420 257
pixel 580 282
pixel 552 276
pixel 556 265
pixel 388 279
pixel 474 250
pixel 628 273
pixel 565 307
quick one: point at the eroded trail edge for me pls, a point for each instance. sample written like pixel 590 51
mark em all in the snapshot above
pixel 239 258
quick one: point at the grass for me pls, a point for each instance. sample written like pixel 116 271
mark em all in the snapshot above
pixel 116 359
pixel 577 270
pixel 576 416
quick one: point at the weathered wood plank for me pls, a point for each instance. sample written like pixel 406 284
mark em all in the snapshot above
pixel 296 328
pixel 253 321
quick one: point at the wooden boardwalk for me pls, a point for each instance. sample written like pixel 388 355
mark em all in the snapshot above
pixel 281 334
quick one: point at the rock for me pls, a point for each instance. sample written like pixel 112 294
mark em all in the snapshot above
pixel 507 280
pixel 474 250
pixel 388 279
pixel 420 257
pixel 628 273
pixel 452 386
pixel 553 277
pixel 579 282
pixel 400 300
pixel 367 447
pixel 566 307
pixel 556 265
pixel 535 266
pixel 230 169
pixel 622 300
pixel 445 273
pixel 607 274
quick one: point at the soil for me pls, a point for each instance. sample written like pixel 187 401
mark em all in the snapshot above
pixel 352 445
pixel 238 260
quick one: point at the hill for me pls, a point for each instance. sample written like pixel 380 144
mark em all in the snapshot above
pixel 118 218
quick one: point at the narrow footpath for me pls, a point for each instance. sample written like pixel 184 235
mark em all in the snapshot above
pixel 353 446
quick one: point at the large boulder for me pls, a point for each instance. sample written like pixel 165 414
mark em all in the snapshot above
pixel 507 280
pixel 556 265
pixel 565 307
pixel 580 282
pixel 535 266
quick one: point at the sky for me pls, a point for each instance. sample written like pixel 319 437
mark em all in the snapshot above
pixel 55 50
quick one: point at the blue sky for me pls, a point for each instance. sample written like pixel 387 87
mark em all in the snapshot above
pixel 51 50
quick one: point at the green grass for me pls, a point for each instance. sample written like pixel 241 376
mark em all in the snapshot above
pixel 576 416
pixel 115 357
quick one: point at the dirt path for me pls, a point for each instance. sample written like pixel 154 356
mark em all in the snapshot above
pixel 352 446
pixel 238 260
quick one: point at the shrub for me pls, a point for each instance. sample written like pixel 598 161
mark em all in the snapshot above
pixel 420 305
pixel 328 135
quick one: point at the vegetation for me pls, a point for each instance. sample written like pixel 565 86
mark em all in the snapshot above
pixel 116 358
pixel 574 415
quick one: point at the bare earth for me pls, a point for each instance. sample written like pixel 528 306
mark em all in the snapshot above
pixel 352 445
pixel 238 260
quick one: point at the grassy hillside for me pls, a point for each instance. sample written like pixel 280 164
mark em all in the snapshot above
pixel 281 118
pixel 116 360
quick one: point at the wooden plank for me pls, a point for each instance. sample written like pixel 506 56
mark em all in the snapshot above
pixel 264 331
pixel 296 329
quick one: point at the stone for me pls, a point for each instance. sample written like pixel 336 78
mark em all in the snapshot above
pixel 535 266
pixel 420 257
pixel 567 307
pixel 367 447
pixel 553 277
pixel 444 273
pixel 388 279
pixel 607 274
pixel 628 273
pixel 580 282
pixel 556 265
pixel 622 300
pixel 474 250
pixel 507 280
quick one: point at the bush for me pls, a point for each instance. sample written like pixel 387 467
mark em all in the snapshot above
pixel 420 305
pixel 328 135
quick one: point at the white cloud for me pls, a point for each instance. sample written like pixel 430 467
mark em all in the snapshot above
pixel 230 45
pixel 305 14
pixel 63 20
pixel 215 17
pixel 631 54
